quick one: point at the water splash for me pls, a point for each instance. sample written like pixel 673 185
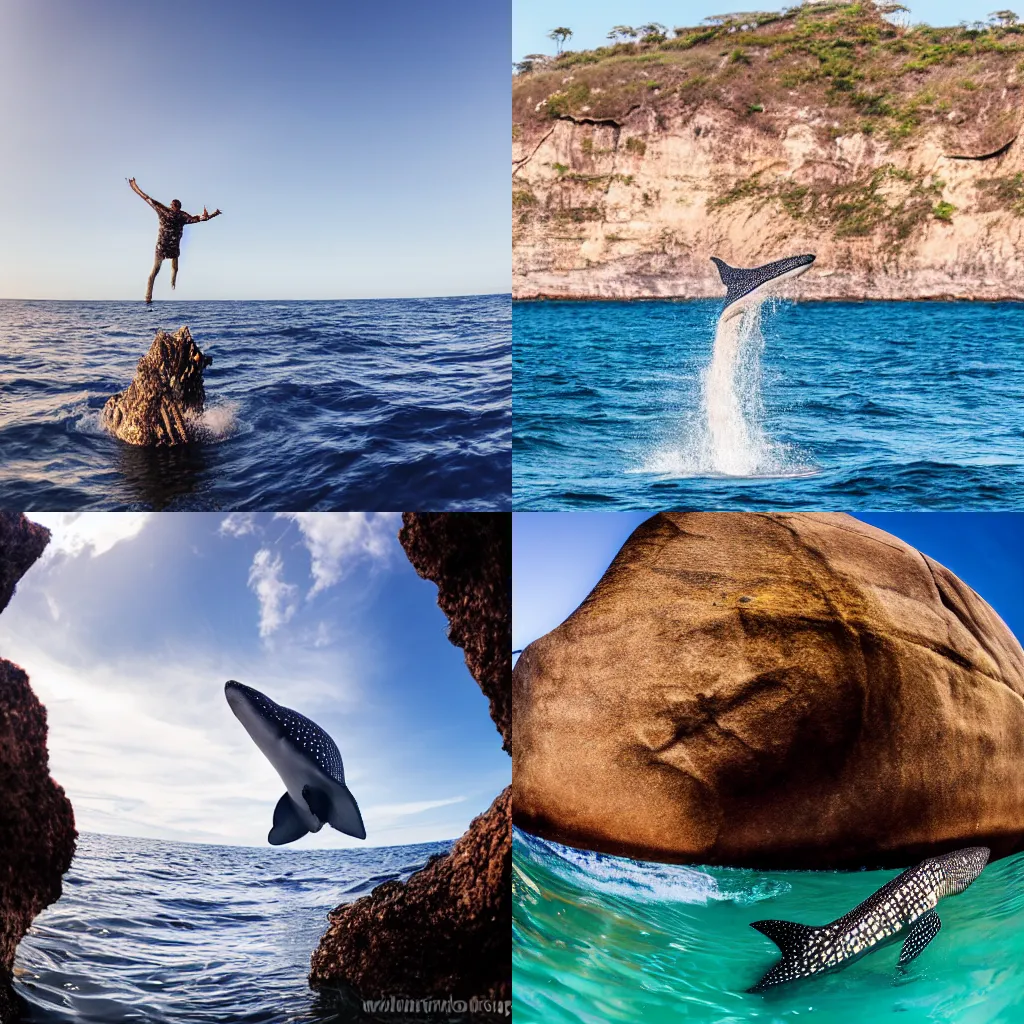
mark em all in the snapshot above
pixel 728 436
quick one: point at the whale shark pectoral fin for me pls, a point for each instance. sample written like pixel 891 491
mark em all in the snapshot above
pixel 288 823
pixel 922 931
pixel 337 806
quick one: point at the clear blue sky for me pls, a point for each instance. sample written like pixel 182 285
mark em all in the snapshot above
pixel 591 20
pixel 132 622
pixel 557 558
pixel 356 149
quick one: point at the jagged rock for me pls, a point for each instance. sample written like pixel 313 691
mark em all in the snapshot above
pixel 37 825
pixel 165 399
pixel 777 690
pixel 447 931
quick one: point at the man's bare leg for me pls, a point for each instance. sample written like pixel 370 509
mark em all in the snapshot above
pixel 152 278
pixel 174 271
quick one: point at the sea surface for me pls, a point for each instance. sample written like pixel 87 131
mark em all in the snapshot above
pixel 176 933
pixel 872 405
pixel 600 939
pixel 378 404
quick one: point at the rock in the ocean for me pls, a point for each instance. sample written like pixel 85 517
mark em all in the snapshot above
pixel 165 399
pixel 446 933
pixel 37 825
pixel 779 690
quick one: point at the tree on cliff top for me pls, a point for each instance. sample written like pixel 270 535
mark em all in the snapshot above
pixel 559 35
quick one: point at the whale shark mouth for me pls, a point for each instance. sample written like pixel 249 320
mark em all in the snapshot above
pixel 751 283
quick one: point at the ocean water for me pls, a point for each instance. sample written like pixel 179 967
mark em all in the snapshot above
pixel 312 405
pixel 165 933
pixel 599 939
pixel 873 405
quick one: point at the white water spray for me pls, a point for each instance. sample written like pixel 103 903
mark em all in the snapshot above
pixel 728 437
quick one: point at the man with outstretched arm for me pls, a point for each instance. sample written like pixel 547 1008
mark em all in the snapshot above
pixel 168 242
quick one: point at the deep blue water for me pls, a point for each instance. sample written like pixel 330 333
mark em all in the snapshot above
pixel 855 406
pixel 379 404
pixel 166 932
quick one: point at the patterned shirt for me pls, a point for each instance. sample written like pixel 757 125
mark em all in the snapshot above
pixel 172 223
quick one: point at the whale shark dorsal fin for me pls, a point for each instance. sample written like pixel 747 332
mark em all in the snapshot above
pixel 787 935
pixel 337 806
pixel 288 824
pixel 923 930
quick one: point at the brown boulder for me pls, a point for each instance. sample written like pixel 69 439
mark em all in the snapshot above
pixel 782 690
pixel 447 932
pixel 37 825
pixel 166 397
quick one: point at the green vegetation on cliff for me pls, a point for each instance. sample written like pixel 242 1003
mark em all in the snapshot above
pixel 848 60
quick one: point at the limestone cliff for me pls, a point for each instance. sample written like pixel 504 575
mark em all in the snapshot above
pixel 446 933
pixel 891 153
pixel 37 825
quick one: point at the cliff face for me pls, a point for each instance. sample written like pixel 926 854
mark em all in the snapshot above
pixel 446 933
pixel 892 154
pixel 37 825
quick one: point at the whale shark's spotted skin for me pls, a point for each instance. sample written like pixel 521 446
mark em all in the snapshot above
pixel 740 283
pixel 308 761
pixel 907 900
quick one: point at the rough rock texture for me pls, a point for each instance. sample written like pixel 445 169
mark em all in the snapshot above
pixel 447 931
pixel 787 690
pixel 165 399
pixel 37 825
pixel 630 170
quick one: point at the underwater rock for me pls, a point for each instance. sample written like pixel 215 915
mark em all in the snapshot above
pixel 37 824
pixel 773 691
pixel 165 399
pixel 446 933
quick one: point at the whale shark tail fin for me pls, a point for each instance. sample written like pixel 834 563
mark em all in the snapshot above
pixel 792 940
pixel 288 823
pixel 741 281
pixel 337 806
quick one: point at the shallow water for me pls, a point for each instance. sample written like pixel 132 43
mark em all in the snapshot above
pixel 845 405
pixel 598 938
pixel 169 932
pixel 380 404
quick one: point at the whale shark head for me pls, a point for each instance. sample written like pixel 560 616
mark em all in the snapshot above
pixel 747 287
pixel 961 867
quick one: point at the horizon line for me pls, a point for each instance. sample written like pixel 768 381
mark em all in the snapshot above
pixel 242 846
pixel 376 298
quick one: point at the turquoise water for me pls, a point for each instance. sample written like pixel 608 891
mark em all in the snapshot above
pixel 597 938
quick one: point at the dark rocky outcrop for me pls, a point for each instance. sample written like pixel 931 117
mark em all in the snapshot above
pixel 778 690
pixel 37 825
pixel 165 399
pixel 447 931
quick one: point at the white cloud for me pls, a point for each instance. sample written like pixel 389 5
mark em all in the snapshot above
pixel 76 532
pixel 277 598
pixel 417 807
pixel 336 540
pixel 237 524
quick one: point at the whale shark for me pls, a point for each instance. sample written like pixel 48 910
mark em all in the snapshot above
pixel 746 288
pixel 308 761
pixel 735 445
pixel 904 904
